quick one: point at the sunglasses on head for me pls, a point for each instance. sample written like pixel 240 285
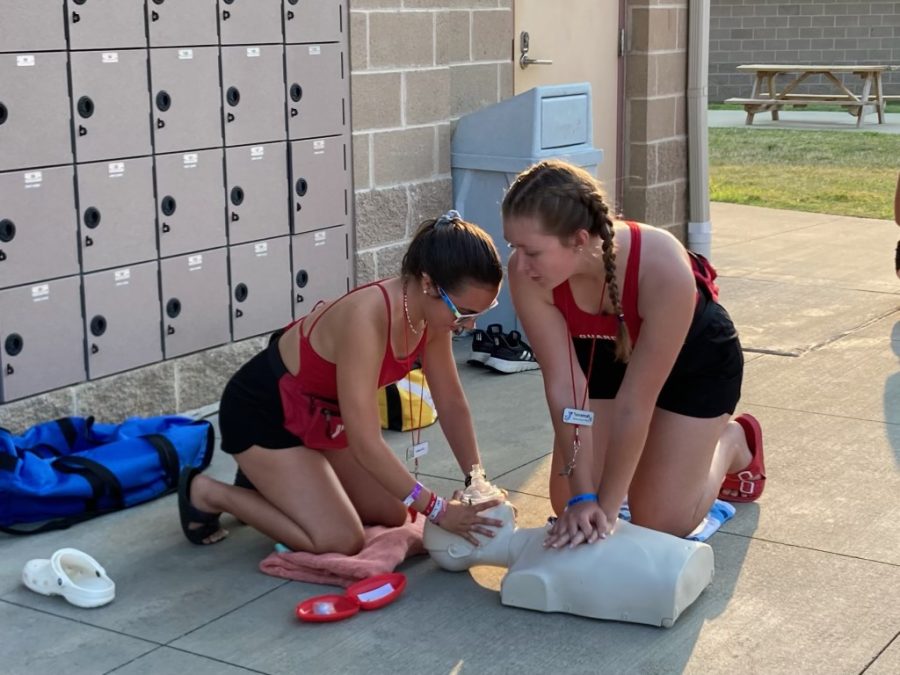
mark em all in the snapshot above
pixel 463 317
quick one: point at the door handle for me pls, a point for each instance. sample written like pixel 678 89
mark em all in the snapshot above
pixel 524 59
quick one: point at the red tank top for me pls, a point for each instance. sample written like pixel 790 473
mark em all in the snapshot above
pixel 318 377
pixel 605 326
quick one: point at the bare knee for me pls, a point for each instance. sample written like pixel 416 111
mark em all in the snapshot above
pixel 346 540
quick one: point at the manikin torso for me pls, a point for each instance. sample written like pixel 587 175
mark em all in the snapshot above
pixel 636 574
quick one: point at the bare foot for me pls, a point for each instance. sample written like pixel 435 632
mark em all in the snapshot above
pixel 201 489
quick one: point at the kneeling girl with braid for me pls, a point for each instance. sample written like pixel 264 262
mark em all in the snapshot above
pixel 301 417
pixel 642 366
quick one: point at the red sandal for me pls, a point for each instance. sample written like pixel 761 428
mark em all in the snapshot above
pixel 748 488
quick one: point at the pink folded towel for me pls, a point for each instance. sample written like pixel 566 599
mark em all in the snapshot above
pixel 385 548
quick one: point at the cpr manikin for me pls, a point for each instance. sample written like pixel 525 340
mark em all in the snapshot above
pixel 636 574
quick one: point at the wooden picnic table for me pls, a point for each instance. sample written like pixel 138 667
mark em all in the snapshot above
pixel 766 97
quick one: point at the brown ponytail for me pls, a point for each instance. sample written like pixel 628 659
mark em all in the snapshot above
pixel 567 198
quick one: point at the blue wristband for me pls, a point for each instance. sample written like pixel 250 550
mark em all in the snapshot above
pixel 584 497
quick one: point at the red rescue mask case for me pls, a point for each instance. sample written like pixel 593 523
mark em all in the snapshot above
pixel 368 594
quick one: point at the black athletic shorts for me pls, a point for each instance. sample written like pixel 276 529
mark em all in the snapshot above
pixel 251 412
pixel 706 379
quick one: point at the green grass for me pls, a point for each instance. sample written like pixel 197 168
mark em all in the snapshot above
pixel 851 174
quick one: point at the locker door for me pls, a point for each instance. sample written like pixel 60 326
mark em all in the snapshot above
pixel 116 213
pixel 38 232
pixel 257 190
pixel 260 287
pixel 174 23
pixel 321 267
pixel 316 90
pixel 190 201
pixel 34 111
pixel 320 183
pixel 41 338
pixel 111 104
pixel 194 302
pixel 248 22
pixel 186 99
pixel 253 94
pixel 36 25
pixel 122 320
pixel 106 24
pixel 317 21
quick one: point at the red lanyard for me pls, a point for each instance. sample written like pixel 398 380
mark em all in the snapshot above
pixel 416 431
pixel 576 443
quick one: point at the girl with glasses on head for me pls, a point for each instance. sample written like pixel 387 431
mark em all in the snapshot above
pixel 301 418
pixel 642 366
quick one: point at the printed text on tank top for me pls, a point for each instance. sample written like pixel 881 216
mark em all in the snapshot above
pixel 604 326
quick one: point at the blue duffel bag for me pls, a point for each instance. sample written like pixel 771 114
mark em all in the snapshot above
pixel 73 469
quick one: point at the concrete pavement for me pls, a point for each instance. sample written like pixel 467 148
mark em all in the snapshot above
pixel 807 580
pixel 810 120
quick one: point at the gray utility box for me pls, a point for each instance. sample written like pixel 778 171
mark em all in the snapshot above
pixel 492 145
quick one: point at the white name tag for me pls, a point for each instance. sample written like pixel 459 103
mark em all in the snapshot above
pixel 584 418
pixel 417 450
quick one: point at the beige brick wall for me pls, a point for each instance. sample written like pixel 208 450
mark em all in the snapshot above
pixel 656 169
pixel 416 67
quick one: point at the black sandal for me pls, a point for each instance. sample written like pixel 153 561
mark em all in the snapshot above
pixel 897 259
pixel 189 514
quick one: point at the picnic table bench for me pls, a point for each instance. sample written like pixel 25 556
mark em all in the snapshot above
pixel 766 97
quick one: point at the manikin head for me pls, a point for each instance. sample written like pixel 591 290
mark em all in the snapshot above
pixel 455 554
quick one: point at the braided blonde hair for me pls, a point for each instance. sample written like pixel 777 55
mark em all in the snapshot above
pixel 566 199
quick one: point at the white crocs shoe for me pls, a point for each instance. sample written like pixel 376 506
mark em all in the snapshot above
pixel 72 574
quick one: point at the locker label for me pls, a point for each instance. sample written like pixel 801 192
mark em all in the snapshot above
pixel 33 179
pixel 40 293
pixel 25 60
pixel 257 153
pixel 195 262
pixel 110 57
pixel 191 160
pixel 185 54
pixel 261 249
pixel 320 238
pixel 315 50
pixel 253 52
pixel 122 277
pixel 116 169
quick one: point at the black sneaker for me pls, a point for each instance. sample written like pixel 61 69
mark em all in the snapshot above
pixel 511 354
pixel 483 344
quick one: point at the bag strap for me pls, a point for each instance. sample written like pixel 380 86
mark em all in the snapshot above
pixel 102 482
pixel 168 458
pixel 68 430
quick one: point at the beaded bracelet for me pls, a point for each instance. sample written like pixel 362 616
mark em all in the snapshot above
pixel 584 497
pixel 413 495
